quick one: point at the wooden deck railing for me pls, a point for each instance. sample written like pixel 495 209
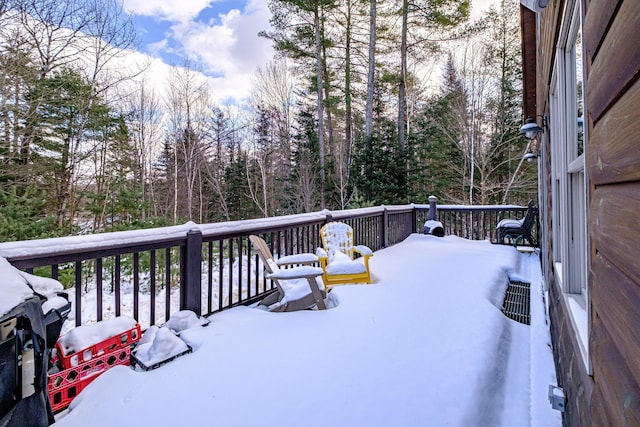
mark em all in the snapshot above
pixel 149 274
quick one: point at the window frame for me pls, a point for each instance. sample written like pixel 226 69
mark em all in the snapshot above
pixel 568 175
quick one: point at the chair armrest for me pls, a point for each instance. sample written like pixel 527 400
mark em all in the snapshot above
pixel 302 272
pixel 363 250
pixel 304 258
pixel 321 253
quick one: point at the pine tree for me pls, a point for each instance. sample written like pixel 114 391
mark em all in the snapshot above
pixel 386 161
pixel 304 181
pixel 64 130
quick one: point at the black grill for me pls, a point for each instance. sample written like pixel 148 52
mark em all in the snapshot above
pixel 516 302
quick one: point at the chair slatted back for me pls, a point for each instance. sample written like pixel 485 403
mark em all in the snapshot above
pixel 529 218
pixel 528 222
pixel 337 237
pixel 264 252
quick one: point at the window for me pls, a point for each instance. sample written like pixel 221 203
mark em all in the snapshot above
pixel 569 190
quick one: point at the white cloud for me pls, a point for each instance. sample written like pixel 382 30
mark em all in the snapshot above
pixel 226 47
pixel 231 46
pixel 170 10
pixel 155 48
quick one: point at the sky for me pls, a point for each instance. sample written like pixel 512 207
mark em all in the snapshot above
pixel 220 37
pixel 425 344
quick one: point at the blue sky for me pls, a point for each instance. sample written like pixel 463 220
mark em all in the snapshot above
pixel 219 36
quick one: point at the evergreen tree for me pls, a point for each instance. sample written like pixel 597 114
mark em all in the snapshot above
pixel 65 128
pixel 386 162
pixel 304 180
pixel 23 216
pixel 437 141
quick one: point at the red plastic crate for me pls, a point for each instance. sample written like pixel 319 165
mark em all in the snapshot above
pixel 65 385
pixel 125 339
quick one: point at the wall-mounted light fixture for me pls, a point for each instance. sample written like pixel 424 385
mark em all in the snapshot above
pixel 535 5
pixel 530 156
pixel 530 129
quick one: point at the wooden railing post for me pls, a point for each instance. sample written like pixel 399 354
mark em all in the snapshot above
pixel 385 228
pixel 414 220
pixel 191 277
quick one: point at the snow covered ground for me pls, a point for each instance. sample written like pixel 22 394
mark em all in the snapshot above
pixel 425 345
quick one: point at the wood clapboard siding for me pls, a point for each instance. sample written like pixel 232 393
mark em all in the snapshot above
pixel 609 395
pixel 614 297
pixel 615 226
pixel 599 412
pixel 613 154
pixel 613 165
pixel 612 377
pixel 614 285
pixel 598 19
pixel 618 61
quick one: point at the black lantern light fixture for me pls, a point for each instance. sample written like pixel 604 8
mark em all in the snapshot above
pixel 530 129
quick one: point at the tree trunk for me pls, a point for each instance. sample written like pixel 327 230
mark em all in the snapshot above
pixel 368 130
pixel 175 187
pixel 320 85
pixel 346 160
pixel 402 87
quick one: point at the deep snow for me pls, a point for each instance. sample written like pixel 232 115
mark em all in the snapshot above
pixel 425 345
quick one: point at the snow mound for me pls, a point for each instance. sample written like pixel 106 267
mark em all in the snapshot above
pixel 85 336
pixel 14 288
pixel 158 345
pixel 184 319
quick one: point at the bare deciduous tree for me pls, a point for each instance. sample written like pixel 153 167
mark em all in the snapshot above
pixel 188 107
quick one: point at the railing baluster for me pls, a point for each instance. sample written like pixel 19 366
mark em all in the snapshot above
pixel 248 267
pixel 152 287
pixel 240 269
pixel 167 284
pixel 99 289
pixel 210 277
pixel 230 278
pixel 136 283
pixel 78 277
pixel 116 283
pixel 220 273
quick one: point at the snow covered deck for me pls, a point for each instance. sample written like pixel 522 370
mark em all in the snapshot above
pixel 425 344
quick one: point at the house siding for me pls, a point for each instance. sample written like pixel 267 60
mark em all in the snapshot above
pixel 609 392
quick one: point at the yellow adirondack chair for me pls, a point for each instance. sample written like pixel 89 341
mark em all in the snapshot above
pixel 337 256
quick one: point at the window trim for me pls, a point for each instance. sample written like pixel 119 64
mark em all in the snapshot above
pixel 570 192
